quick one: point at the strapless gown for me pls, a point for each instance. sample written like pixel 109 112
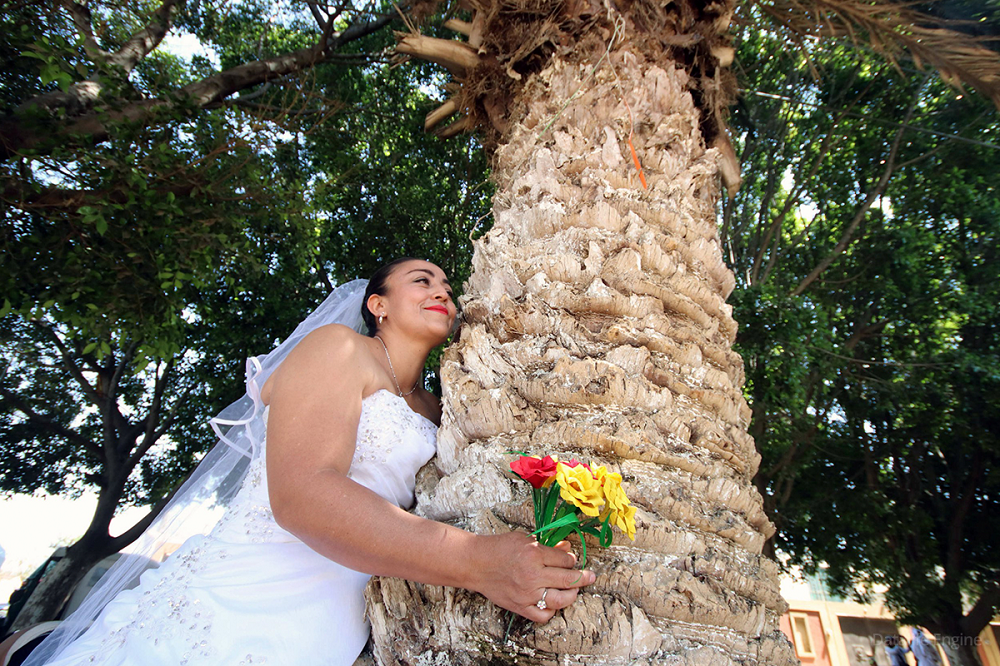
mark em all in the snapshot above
pixel 251 593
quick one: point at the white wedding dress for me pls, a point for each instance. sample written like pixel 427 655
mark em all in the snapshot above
pixel 251 593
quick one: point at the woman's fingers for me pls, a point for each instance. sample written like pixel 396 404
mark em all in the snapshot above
pixel 536 614
pixel 569 578
pixel 556 599
pixel 560 556
pixel 561 569
pixel 524 569
pixel 565 546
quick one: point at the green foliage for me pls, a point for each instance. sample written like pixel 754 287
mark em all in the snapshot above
pixel 208 240
pixel 390 188
pixel 875 387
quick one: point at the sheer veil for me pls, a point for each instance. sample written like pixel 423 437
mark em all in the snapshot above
pixel 216 479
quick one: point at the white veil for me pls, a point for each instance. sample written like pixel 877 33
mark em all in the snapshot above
pixel 216 479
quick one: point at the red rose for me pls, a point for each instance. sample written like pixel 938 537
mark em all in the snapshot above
pixel 534 470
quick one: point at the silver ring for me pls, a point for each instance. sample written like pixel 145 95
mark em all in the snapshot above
pixel 541 602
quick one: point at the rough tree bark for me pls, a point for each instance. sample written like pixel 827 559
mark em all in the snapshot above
pixel 596 327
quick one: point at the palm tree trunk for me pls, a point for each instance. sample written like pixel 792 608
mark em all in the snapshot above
pixel 596 327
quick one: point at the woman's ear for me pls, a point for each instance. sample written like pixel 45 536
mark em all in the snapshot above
pixel 374 304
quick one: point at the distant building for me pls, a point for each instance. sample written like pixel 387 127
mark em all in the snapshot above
pixel 828 630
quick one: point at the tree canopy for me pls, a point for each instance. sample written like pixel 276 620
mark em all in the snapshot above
pixel 864 242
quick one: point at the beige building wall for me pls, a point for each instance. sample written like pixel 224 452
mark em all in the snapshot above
pixel 831 632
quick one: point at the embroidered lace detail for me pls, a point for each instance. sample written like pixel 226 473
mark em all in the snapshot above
pixel 249 517
pixel 165 612
pixel 378 437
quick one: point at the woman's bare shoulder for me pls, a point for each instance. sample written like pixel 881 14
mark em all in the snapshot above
pixel 334 343
pixel 336 333
pixel 329 351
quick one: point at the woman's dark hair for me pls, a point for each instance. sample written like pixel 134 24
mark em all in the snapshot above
pixel 376 285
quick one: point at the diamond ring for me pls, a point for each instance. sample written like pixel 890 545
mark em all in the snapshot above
pixel 541 602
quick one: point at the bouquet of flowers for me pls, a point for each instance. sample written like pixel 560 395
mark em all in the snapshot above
pixel 573 497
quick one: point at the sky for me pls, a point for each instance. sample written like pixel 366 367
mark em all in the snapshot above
pixel 185 44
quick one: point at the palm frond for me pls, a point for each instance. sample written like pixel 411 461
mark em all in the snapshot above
pixel 892 29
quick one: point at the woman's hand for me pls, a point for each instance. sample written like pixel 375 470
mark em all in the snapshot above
pixel 516 570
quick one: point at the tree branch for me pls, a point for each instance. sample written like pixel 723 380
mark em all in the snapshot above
pixel 120 369
pixel 322 21
pixel 49 424
pixel 83 95
pixel 875 193
pixel 71 365
pixel 153 415
pixel 82 19
pixel 56 198
pixel 167 422
pixel 19 132
pixel 133 533
pixel 143 42
pixel 953 564
pixel 826 146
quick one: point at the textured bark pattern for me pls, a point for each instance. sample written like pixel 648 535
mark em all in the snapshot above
pixel 596 327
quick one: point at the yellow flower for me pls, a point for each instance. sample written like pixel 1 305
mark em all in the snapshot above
pixel 625 521
pixel 618 510
pixel 578 486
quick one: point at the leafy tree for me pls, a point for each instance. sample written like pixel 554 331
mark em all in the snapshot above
pixel 98 68
pixel 91 389
pixel 872 379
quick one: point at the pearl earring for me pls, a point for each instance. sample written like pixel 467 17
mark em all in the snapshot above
pixel 381 317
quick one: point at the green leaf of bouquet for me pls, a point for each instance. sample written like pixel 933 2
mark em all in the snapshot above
pixel 606 535
pixel 555 524
pixel 550 500
pixel 536 502
pixel 560 534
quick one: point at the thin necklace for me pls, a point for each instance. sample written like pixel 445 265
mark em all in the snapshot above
pixel 388 358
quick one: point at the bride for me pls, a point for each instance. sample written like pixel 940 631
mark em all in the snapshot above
pixel 320 508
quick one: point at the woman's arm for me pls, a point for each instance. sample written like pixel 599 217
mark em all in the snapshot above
pixel 315 403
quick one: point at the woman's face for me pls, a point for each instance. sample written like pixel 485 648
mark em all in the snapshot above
pixel 418 301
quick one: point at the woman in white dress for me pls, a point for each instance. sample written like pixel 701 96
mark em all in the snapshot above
pixel 321 507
